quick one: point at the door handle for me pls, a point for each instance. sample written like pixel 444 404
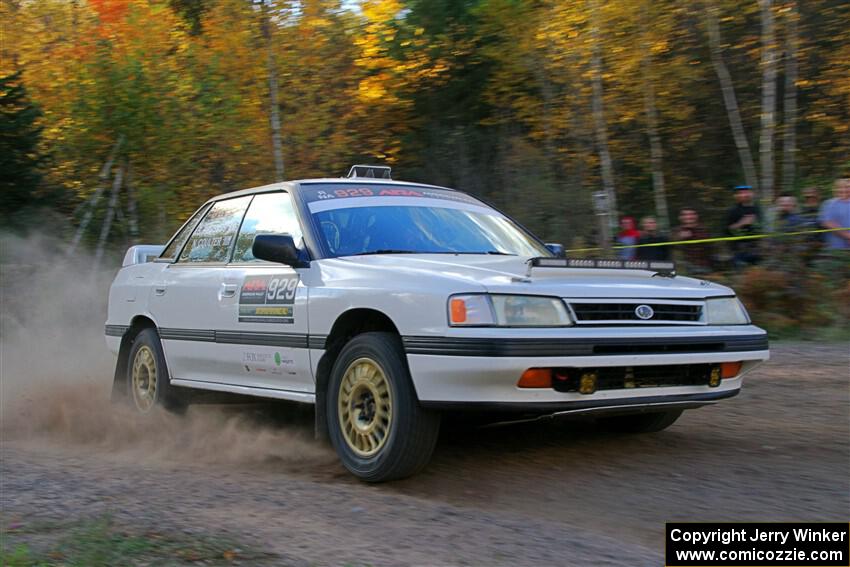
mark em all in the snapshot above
pixel 228 289
pixel 159 290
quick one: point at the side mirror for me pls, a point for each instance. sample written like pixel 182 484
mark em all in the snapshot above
pixel 556 249
pixel 278 248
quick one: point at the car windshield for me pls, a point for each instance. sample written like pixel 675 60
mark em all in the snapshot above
pixel 410 224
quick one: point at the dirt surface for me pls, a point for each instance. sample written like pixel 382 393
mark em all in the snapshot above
pixel 544 493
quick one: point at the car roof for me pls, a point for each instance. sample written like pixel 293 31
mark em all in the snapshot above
pixel 294 184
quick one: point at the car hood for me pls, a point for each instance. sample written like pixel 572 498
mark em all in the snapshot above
pixel 509 274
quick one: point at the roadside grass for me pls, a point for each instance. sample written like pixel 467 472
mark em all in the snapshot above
pixel 830 334
pixel 102 542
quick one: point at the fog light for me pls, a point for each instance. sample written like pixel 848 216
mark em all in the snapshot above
pixel 587 383
pixel 561 376
pixel 714 377
pixel 629 378
pixel 730 369
pixel 536 378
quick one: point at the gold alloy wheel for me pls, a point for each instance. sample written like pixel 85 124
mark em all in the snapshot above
pixel 365 407
pixel 144 379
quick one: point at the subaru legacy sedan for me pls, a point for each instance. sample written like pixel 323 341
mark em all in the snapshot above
pixel 385 304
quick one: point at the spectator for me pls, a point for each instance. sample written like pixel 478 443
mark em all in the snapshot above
pixel 787 253
pixel 809 214
pixel 650 235
pixel 835 213
pixel 744 219
pixel 696 258
pixel 787 219
pixel 810 210
pixel 628 236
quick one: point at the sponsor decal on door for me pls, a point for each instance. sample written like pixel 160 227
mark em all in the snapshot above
pixel 268 299
pixel 273 363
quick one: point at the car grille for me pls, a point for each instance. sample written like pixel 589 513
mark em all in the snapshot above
pixel 624 313
pixel 626 377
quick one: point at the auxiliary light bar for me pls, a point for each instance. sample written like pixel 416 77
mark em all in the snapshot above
pixel 667 269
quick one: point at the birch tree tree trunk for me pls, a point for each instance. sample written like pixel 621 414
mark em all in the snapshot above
pixel 600 126
pixel 132 208
pixel 107 220
pixel 789 105
pixel 274 108
pixel 729 99
pixel 656 153
pixel 91 204
pixel 768 100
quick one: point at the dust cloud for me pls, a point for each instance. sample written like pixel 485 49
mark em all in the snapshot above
pixel 56 377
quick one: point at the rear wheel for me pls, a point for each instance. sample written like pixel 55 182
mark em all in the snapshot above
pixel 640 422
pixel 376 424
pixel 147 376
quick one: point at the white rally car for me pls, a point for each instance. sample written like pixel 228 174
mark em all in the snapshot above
pixel 385 303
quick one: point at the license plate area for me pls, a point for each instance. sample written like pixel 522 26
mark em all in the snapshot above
pixel 589 380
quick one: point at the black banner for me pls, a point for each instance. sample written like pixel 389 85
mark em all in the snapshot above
pixel 758 544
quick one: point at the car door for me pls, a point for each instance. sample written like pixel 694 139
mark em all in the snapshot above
pixel 190 300
pixel 265 330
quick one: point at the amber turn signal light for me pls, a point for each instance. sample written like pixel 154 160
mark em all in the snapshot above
pixel 536 378
pixel 730 369
pixel 458 311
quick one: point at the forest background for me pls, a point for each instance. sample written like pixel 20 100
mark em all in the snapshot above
pixel 119 117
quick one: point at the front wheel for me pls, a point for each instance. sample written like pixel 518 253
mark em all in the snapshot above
pixel 640 422
pixel 376 424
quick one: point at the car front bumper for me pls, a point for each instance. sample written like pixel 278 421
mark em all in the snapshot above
pixel 480 368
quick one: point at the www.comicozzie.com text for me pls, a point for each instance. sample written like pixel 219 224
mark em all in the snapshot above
pixel 743 534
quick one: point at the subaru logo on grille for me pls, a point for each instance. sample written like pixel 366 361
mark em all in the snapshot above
pixel 644 312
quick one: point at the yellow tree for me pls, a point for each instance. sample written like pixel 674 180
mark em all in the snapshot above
pixel 394 60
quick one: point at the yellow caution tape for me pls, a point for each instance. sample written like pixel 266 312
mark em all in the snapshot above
pixel 709 240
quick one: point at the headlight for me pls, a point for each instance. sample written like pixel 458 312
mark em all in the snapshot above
pixel 507 311
pixel 725 311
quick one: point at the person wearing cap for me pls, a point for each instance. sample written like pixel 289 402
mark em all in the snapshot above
pixel 744 219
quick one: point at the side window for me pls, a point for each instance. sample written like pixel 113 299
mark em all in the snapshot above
pixel 269 213
pixel 179 239
pixel 212 240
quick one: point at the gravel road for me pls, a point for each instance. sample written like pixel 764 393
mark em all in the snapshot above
pixel 543 493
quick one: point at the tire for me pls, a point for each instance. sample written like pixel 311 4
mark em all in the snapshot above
pixel 375 422
pixel 147 376
pixel 640 422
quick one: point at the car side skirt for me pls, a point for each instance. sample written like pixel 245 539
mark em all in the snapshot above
pixel 303 397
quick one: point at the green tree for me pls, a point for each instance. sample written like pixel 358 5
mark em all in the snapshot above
pixel 20 157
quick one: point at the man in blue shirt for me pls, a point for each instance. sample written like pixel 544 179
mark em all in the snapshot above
pixel 835 213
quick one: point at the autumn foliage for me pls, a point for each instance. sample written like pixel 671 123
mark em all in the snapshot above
pixel 531 105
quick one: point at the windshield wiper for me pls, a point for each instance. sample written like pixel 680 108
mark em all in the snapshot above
pixel 489 252
pixel 387 251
